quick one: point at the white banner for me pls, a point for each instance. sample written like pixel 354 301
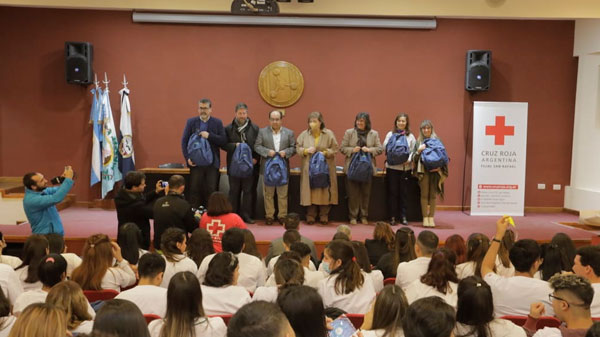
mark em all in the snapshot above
pixel 499 156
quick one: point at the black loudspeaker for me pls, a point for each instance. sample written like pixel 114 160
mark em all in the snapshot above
pixel 78 62
pixel 478 70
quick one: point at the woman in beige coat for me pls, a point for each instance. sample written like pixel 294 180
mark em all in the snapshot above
pixel 360 138
pixel 317 138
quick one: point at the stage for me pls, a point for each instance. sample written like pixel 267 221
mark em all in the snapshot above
pixel 79 223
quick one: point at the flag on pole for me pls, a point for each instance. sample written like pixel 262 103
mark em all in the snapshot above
pixel 96 121
pixel 127 160
pixel 110 148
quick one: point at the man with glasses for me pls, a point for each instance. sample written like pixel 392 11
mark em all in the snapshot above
pixel 571 300
pixel 204 180
pixel 275 140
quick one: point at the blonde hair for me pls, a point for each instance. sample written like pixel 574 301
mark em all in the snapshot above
pixel 69 297
pixel 40 320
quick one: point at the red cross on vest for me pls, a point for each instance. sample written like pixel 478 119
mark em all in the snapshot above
pixel 500 130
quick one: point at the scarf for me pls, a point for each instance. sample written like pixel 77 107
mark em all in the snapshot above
pixel 362 137
pixel 240 129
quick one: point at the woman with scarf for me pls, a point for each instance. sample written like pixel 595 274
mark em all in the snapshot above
pixel 360 138
pixel 317 139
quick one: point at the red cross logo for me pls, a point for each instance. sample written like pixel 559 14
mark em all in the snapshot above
pixel 216 229
pixel 500 130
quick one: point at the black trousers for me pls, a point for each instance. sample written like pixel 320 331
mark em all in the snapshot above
pixel 397 192
pixel 204 181
pixel 241 196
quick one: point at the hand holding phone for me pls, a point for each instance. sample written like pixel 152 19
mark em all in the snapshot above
pixel 342 327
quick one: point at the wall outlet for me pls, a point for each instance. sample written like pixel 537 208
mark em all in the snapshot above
pixel 556 187
pixel 541 186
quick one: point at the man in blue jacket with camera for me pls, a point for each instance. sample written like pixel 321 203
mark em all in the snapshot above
pixel 40 201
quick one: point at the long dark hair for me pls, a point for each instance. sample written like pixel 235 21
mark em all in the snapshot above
pixel 36 247
pixel 121 318
pixel 250 244
pixel 349 275
pixel 129 237
pixel 184 305
pixel 220 270
pixel 441 270
pixel 303 307
pixel 200 245
pixel 558 256
pixel 508 241
pixel 475 306
pixel 362 256
pixel 567 249
pixel 366 117
pixel 429 316
pixel 407 129
pixel 389 310
pixel 168 243
pixel 218 204
pixel 288 273
pixel 477 245
pixel 404 246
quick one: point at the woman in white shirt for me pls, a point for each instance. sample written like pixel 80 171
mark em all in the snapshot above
pixel 304 309
pixel 220 293
pixel 504 267
pixel 36 247
pixel 185 315
pixel 440 279
pixel 68 296
pixel 173 243
pixel 97 272
pixel 477 246
pixel 386 314
pixel 129 238
pixel 347 288
pixel 362 258
pixel 475 312
pixel 288 273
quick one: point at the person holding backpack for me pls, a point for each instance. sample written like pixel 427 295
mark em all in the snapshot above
pixel 241 163
pixel 275 144
pixel 431 178
pixel 317 147
pixel 360 144
pixel 200 144
pixel 398 144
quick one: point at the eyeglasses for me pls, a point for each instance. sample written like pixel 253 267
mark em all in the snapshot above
pixel 552 297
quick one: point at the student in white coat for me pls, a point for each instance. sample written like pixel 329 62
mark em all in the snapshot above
pixel 259 319
pixel 173 244
pixel 407 272
pixel 185 314
pixel 287 273
pixel 68 296
pixel 362 258
pixel 252 269
pixel 440 279
pixel 347 287
pixel 290 237
pixel 475 312
pixel 386 314
pixel 220 293
pixel 35 248
pixel 304 309
pixel 477 245
pixel 6 319
pixel 429 316
pixel 148 295
pixel 97 270
pixel 311 277
pixel 56 245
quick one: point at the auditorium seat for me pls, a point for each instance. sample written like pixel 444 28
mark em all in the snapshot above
pixel 389 280
pixel 356 319
pixel 150 317
pixel 100 295
pixel 545 321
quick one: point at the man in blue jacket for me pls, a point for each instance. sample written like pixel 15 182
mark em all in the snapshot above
pixel 40 200
pixel 204 180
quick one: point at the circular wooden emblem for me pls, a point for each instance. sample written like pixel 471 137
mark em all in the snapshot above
pixel 281 84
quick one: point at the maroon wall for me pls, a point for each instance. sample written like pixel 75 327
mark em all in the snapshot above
pixel 44 121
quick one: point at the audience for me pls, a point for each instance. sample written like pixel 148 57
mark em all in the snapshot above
pixel 36 247
pixel 429 317
pixel 475 312
pixel 303 308
pixel 173 245
pixel 6 319
pixel 477 245
pixel 440 279
pixel 513 295
pixel 220 293
pixel 12 261
pixel 291 221
pixel 199 245
pixel 382 242
pixel 407 272
pixel 250 244
pixel 252 270
pixel 456 243
pixel 347 287
pixel 120 318
pixel 9 283
pixel 386 314
pixel 290 237
pixel 557 257
pixel 404 251
pixel 311 276
pixel 185 315
pixel 129 239
pixel 259 319
pixel 69 297
pixel 287 273
pixel 219 217
pixel 503 265
pixel 40 320
pixel 97 272
pixel 345 229
pixel 56 245
pixel 587 264
pixel 362 258
pixel 51 271
pixel 148 295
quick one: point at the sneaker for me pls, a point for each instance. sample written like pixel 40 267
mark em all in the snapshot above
pixel 404 221
pixel 393 222
pixel 364 221
pixel 353 221
pixel 425 222
pixel 431 223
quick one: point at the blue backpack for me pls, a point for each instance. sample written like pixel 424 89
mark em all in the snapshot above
pixel 318 171
pixel 360 168
pixel 199 150
pixel 397 149
pixel 241 162
pixel 276 173
pixel 434 156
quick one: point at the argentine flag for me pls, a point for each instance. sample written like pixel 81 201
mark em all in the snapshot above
pixel 127 159
pixel 110 148
pixel 96 121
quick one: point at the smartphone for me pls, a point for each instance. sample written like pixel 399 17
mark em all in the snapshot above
pixel 164 184
pixel 342 327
